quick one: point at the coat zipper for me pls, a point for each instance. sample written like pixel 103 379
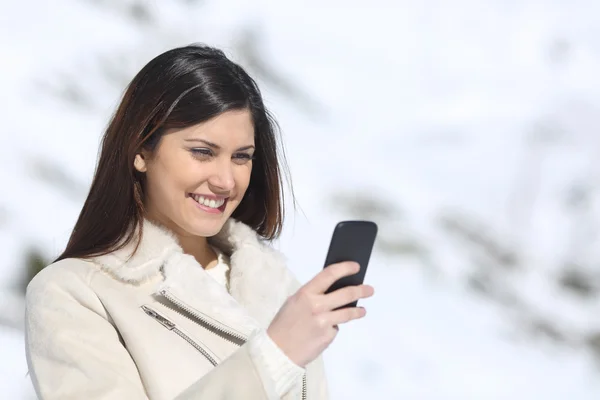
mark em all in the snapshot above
pixel 226 332
pixel 172 327
pixel 304 387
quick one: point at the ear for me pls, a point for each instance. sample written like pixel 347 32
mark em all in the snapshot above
pixel 139 162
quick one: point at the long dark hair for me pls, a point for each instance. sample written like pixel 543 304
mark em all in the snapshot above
pixel 177 89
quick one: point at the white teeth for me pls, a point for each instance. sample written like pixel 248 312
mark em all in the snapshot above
pixel 208 202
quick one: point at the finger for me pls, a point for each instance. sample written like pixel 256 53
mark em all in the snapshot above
pixel 330 274
pixel 346 295
pixel 344 315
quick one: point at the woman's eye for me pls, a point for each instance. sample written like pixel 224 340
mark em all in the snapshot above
pixel 201 152
pixel 242 158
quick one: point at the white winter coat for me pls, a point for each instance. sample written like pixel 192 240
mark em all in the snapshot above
pixel 157 326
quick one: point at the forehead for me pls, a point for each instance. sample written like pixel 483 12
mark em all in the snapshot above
pixel 230 126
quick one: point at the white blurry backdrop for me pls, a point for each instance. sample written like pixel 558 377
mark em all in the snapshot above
pixel 467 129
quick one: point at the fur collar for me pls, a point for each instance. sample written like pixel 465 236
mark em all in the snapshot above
pixel 259 280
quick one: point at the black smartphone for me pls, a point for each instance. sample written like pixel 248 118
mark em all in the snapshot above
pixel 351 241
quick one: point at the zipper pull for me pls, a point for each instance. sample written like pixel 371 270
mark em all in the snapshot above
pixel 165 322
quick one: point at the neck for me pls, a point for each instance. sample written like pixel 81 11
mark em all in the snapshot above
pixel 196 246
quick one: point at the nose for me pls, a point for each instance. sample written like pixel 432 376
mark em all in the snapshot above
pixel 222 177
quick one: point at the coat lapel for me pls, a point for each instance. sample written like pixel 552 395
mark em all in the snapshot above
pixel 259 280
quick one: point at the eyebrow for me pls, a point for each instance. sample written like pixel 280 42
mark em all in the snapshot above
pixel 216 146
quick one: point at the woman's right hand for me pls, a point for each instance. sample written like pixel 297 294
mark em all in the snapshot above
pixel 307 322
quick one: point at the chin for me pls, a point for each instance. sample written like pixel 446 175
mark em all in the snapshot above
pixel 206 228
pixel 207 224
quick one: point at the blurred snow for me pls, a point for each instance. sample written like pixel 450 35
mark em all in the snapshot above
pixel 435 106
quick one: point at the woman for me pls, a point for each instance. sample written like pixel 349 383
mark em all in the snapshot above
pixel 167 288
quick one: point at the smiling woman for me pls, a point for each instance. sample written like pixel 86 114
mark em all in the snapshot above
pixel 168 287
pixel 197 177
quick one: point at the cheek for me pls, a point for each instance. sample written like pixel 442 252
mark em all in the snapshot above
pixel 243 179
pixel 158 186
pixel 166 182
pixel 181 171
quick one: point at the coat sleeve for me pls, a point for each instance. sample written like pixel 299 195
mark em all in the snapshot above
pixel 75 352
pixel 318 386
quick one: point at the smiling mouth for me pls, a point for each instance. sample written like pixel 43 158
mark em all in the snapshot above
pixel 207 202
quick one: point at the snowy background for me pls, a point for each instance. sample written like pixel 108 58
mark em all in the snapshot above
pixel 467 129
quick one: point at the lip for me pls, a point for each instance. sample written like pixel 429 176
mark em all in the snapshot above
pixel 209 196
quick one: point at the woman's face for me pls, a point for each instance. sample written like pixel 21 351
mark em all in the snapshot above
pixel 197 176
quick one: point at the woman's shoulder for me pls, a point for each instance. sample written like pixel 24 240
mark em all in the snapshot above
pixel 67 275
pixel 59 301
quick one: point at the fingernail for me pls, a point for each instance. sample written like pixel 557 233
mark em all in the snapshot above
pixel 368 290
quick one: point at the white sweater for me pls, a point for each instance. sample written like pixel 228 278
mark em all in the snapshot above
pixel 275 364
